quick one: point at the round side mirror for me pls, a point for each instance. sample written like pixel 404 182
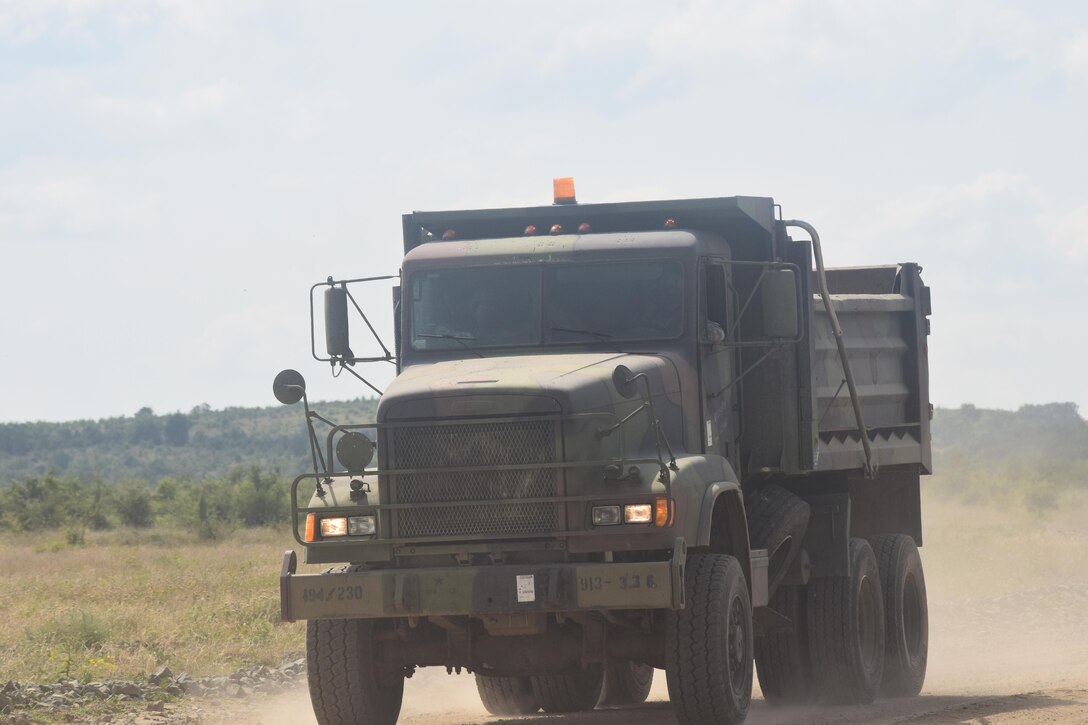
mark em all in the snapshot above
pixel 289 387
pixel 624 380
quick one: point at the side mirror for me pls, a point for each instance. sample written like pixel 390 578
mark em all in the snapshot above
pixel 336 322
pixel 624 380
pixel 778 292
pixel 289 387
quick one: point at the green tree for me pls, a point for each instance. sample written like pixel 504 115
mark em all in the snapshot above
pixel 134 505
pixel 175 429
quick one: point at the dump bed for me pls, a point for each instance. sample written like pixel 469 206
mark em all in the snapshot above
pixel 883 314
pixel 796 411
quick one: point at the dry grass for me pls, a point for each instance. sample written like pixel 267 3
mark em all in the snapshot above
pixel 122 604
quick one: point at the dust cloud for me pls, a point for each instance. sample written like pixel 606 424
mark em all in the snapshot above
pixel 1008 603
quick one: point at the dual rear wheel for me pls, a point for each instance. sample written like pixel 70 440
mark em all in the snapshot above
pixel 851 637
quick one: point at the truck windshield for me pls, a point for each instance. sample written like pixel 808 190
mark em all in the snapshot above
pixel 505 306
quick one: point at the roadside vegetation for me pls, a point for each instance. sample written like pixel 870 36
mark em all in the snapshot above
pixel 68 508
pixel 126 601
pixel 1034 458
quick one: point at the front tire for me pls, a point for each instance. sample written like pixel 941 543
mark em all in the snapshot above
pixel 846 630
pixel 507 695
pixel 347 685
pixel 575 691
pixel 708 645
pixel 626 683
pixel 906 615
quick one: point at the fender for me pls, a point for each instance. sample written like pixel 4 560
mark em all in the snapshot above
pixel 723 527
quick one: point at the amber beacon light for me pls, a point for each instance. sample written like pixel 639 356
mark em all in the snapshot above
pixel 564 190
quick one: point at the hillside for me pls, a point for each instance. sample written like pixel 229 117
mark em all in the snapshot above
pixel 203 442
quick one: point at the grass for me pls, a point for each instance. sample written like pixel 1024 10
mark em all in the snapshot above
pixel 123 603
pixel 118 604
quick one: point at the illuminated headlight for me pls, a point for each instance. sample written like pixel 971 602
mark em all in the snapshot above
pixel 334 527
pixel 362 525
pixel 638 513
pixel 606 515
pixel 348 526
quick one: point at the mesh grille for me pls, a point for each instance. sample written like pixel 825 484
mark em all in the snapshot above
pixel 476 444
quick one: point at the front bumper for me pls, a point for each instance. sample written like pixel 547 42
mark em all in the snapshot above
pixel 477 590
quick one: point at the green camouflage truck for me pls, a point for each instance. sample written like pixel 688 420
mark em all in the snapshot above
pixel 622 437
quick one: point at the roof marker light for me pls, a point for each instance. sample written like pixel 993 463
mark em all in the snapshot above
pixel 448 235
pixel 563 190
pixel 557 229
pixel 530 230
pixel 670 223
pixel 584 228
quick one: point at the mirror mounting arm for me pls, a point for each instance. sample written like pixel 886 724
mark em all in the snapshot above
pixel 624 381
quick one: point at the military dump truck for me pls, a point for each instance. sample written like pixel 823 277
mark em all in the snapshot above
pixel 622 437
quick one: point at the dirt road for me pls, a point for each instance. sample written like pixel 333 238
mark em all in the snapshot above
pixel 1008 594
pixel 1055 705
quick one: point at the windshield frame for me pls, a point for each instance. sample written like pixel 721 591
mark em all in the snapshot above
pixel 462 346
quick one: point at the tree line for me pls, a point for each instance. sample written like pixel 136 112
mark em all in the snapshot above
pixel 244 496
pixel 151 447
pixel 211 471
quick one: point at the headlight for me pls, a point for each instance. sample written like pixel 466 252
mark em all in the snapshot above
pixel 606 515
pixel 658 513
pixel 334 527
pixel 348 526
pixel 362 525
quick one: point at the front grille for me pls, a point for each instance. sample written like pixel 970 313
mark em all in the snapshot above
pixel 476 444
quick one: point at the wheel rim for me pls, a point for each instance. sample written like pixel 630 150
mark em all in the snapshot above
pixel 912 617
pixel 737 646
pixel 866 619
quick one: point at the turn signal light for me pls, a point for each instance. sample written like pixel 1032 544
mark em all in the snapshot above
pixel 662 512
pixel 311 522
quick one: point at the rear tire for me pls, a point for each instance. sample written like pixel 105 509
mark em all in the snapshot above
pixel 507 695
pixel 846 630
pixel 347 686
pixel 708 644
pixel 575 691
pixel 626 683
pixel 782 658
pixel 906 615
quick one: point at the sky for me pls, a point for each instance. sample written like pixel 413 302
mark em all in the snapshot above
pixel 175 174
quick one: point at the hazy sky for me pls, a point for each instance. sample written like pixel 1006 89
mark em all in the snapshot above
pixel 174 175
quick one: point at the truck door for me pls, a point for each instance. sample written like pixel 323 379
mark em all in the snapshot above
pixel 719 425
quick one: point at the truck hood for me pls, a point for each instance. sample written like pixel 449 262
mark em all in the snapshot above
pixel 494 386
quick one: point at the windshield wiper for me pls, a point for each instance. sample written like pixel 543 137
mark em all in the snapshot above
pixel 602 336
pixel 459 340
